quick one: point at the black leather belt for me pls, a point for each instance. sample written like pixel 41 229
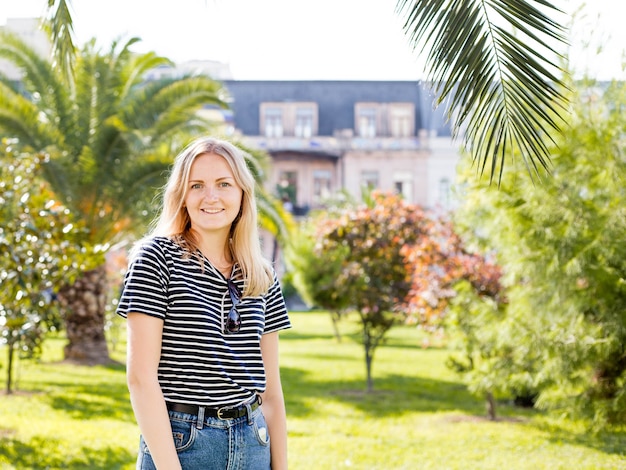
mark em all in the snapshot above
pixel 221 413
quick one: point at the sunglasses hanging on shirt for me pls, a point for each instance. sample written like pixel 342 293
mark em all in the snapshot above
pixel 233 319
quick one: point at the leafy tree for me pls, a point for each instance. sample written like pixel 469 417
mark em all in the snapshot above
pixel 392 262
pixel 39 249
pixel 491 62
pixel 374 275
pixel 562 249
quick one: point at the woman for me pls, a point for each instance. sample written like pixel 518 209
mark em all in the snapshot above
pixel 203 312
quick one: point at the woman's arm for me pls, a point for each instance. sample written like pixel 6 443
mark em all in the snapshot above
pixel 273 402
pixel 144 349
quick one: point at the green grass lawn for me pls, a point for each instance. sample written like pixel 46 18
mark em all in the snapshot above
pixel 419 416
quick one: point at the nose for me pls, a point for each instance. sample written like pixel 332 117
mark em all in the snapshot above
pixel 210 193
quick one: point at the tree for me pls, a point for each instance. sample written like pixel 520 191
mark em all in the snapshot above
pixel 502 88
pixel 374 275
pixel 39 250
pixel 562 250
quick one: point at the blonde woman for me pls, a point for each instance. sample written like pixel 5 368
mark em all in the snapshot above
pixel 203 311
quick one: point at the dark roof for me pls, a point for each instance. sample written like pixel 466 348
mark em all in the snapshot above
pixel 335 101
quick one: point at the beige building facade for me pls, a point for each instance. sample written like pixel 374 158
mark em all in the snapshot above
pixel 327 137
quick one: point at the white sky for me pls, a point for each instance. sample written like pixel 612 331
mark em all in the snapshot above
pixel 304 39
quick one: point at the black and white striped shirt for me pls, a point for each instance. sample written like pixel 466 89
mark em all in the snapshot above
pixel 200 364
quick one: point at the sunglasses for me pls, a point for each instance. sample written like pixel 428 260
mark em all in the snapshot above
pixel 233 319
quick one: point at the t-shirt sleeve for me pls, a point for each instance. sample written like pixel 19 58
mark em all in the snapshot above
pixel 145 284
pixel 276 316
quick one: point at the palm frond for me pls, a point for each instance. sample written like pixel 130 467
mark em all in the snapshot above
pixel 273 217
pixel 137 66
pixel 502 89
pixel 60 28
pixel 21 119
pixel 167 106
pixel 42 85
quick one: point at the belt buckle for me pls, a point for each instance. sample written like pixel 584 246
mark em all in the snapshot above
pixel 219 413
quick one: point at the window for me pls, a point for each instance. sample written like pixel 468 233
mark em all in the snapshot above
pixel 288 119
pixel 366 122
pixel 401 120
pixel 321 185
pixel 403 184
pixel 444 192
pixel 304 122
pixel 273 118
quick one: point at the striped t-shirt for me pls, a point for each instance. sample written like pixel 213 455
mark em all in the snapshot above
pixel 200 364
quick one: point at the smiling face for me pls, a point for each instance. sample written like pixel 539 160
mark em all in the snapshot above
pixel 213 198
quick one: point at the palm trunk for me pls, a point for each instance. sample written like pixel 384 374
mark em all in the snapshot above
pixel 85 304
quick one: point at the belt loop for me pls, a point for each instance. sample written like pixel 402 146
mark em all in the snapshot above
pixel 200 418
pixel 249 413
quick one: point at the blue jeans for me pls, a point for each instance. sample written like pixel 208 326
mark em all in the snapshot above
pixel 234 444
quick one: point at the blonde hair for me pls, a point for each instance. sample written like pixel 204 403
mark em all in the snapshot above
pixel 174 221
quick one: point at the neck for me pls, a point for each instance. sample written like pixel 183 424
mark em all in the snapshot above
pixel 218 252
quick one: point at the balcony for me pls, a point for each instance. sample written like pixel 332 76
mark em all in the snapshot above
pixel 335 145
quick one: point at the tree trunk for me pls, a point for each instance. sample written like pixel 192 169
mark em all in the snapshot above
pixel 491 406
pixel 368 366
pixel 335 318
pixel 368 345
pixel 10 356
pixel 85 303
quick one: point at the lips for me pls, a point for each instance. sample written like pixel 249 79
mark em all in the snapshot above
pixel 211 211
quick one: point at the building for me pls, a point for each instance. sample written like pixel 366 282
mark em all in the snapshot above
pixel 331 136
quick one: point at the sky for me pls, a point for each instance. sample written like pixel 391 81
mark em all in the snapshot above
pixel 305 39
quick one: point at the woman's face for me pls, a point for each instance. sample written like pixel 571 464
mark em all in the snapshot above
pixel 213 197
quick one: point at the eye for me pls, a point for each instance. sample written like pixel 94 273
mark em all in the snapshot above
pixel 225 184
pixel 196 186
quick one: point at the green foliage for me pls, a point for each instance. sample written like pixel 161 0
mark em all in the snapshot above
pixel 40 249
pixel 490 364
pixel 562 248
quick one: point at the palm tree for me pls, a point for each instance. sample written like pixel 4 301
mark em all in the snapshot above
pixel 502 88
pixel 111 137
